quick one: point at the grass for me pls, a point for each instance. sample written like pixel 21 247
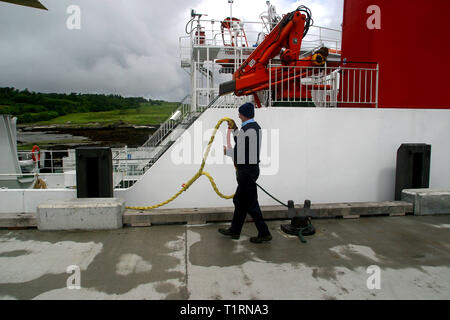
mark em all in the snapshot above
pixel 146 114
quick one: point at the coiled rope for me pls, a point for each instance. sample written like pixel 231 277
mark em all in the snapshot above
pixel 39 183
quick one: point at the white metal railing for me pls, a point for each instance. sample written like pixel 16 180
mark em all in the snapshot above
pixel 235 39
pixel 59 161
pixel 51 161
pixel 131 162
pixel 231 101
pixel 250 34
pixel 52 180
pixel 125 173
pixel 321 36
pixel 323 86
pixel 206 82
pixel 121 179
pixel 255 32
pixel 209 33
pixel 128 164
pixel 27 175
pixel 167 127
pixel 320 86
pixel 188 120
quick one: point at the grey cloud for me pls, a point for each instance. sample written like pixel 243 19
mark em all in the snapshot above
pixel 128 47
pixel 125 47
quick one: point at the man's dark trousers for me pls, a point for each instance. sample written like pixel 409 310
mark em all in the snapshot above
pixel 246 201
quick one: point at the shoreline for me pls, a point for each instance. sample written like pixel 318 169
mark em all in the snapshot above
pixel 115 135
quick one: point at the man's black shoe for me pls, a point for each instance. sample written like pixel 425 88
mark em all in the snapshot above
pixel 260 239
pixel 227 232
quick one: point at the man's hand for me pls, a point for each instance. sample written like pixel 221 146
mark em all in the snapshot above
pixel 232 125
pixel 224 150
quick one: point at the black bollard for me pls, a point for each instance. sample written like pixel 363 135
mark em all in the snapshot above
pixel 300 221
pixel 94 172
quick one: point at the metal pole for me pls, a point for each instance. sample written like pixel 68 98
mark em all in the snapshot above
pixel 231 11
pixel 207 75
pixel 376 92
pixel 270 83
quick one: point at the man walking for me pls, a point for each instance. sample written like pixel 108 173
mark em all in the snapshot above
pixel 245 155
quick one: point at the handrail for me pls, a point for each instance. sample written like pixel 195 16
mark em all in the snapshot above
pixel 168 125
pixel 323 86
pixel 188 119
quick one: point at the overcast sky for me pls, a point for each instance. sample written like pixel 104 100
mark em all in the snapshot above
pixel 127 47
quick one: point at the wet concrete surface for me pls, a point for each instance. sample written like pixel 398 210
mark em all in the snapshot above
pixel 196 262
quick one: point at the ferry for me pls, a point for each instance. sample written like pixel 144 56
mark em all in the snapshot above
pixel 335 105
pixel 346 115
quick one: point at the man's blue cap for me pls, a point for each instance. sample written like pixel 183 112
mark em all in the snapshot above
pixel 247 110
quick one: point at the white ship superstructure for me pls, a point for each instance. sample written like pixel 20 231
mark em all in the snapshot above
pixel 311 148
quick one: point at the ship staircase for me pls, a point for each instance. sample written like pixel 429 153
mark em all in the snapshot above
pixel 168 132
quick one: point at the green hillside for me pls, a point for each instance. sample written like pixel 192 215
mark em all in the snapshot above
pixel 74 108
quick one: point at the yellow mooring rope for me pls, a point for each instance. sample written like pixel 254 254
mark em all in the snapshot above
pixel 199 173
pixel 39 183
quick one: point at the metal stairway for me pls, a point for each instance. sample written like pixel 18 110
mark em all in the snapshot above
pixel 170 130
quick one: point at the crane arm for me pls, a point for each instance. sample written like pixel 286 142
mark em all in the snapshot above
pixel 285 38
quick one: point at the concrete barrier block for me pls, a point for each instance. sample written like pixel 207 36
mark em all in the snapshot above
pixel 81 214
pixel 428 201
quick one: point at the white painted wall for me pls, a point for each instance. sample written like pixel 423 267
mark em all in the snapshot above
pixel 325 155
pixel 27 200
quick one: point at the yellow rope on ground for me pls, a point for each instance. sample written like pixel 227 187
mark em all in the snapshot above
pixel 199 173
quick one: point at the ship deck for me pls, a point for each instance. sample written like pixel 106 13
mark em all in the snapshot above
pixel 196 262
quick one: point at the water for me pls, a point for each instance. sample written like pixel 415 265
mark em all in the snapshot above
pixel 37 137
pixel 63 138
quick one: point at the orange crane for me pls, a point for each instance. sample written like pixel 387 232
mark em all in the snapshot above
pixel 285 40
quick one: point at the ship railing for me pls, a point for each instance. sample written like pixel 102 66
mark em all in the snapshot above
pixel 130 165
pixel 228 101
pixel 57 162
pixel 254 34
pixel 322 36
pixel 231 101
pixel 127 172
pixel 186 122
pixel 52 180
pixel 323 86
pixel 207 79
pixel 124 176
pixel 126 153
pixel 292 85
pixel 250 34
pixel 246 33
pixel 6 176
pixel 185 50
pixel 180 114
pixel 51 161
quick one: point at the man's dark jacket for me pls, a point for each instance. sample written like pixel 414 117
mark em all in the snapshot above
pixel 247 147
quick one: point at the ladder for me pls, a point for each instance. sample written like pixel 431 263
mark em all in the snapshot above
pixel 164 137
